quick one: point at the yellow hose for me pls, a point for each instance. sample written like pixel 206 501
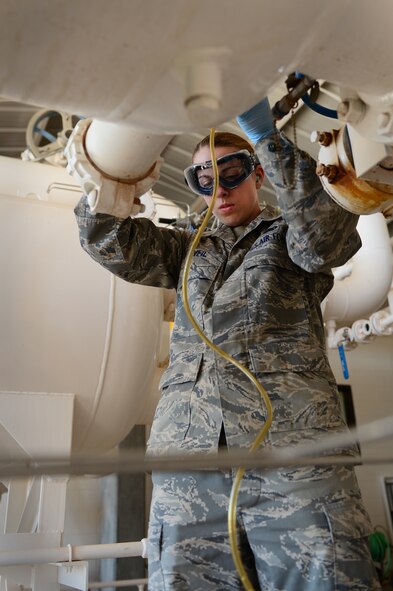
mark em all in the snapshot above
pixel 261 436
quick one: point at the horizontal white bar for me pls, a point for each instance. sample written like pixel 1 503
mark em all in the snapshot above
pixel 125 583
pixel 72 553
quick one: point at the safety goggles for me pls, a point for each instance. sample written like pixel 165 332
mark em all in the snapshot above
pixel 233 169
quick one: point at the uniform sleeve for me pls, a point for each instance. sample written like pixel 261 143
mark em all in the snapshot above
pixel 321 234
pixel 134 249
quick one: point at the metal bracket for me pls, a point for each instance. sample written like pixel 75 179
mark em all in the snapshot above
pixel 74 574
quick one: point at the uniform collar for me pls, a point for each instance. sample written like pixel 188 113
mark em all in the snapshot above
pixel 268 213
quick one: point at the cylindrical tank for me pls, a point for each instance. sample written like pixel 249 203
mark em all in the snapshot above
pixel 145 63
pixel 67 324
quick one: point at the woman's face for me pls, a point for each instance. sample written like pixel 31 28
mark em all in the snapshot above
pixel 238 206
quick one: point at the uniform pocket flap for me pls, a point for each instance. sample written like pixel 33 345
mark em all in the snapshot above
pixel 285 356
pixel 348 519
pixel 183 369
pixel 270 255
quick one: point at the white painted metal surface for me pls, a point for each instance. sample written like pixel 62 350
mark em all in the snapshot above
pixel 139 62
pixel 114 165
pixel 68 325
pixel 139 583
pixel 368 284
pixel 71 553
pixel 33 512
pixel 121 152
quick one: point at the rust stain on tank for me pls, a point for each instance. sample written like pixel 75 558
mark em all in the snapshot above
pixel 361 193
pixel 353 193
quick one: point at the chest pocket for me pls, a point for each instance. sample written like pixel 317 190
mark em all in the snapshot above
pixel 281 335
pixel 204 265
pixel 275 288
pixel 204 271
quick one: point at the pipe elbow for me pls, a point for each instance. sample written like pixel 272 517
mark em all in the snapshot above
pixel 114 165
pixel 365 289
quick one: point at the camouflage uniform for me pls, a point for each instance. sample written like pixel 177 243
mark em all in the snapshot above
pixel 257 296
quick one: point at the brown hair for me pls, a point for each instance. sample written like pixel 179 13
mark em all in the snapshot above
pixel 224 138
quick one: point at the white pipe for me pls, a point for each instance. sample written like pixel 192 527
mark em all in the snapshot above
pixel 340 273
pixel 383 101
pixel 71 553
pixel 388 321
pixel 361 331
pixel 381 323
pixel 390 297
pixel 121 152
pixel 331 333
pixel 102 585
pixel 365 290
pixel 135 461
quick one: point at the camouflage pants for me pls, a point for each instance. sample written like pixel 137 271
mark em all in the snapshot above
pixel 299 529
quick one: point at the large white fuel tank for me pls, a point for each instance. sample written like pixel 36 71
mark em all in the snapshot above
pixel 67 324
pixel 161 66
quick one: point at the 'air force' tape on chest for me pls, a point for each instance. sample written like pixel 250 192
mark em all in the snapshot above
pixel 269 237
pixel 274 233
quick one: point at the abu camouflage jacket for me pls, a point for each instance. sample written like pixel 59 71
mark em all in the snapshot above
pixel 256 296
